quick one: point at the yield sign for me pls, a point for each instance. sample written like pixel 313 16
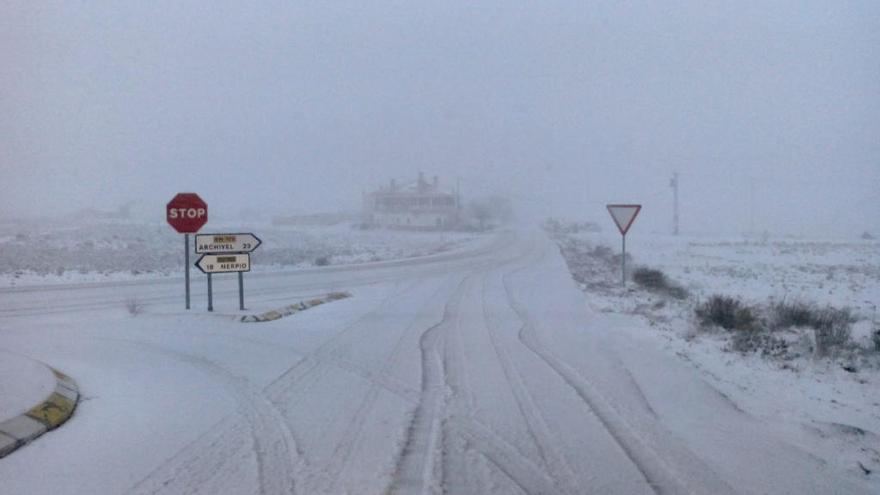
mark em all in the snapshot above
pixel 624 215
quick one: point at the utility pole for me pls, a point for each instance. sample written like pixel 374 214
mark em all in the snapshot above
pixel 673 183
pixel 751 206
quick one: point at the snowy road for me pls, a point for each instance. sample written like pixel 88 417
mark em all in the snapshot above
pixel 479 373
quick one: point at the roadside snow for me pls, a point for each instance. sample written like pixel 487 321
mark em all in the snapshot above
pixel 54 252
pixel 24 383
pixel 821 408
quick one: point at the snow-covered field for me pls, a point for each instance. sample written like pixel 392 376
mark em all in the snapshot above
pixel 828 406
pixel 478 372
pixel 46 252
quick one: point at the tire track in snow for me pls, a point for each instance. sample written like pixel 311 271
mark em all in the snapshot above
pixel 424 466
pixel 529 477
pixel 325 352
pixel 273 443
pixel 272 478
pixel 341 458
pixel 458 475
pixel 554 461
pixel 418 469
pixel 659 476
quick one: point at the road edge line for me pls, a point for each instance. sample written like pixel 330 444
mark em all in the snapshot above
pixel 48 415
pixel 277 314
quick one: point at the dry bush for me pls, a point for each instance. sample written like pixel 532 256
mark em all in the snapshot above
pixel 832 328
pixel 134 307
pixel 792 314
pixel 726 312
pixel 657 281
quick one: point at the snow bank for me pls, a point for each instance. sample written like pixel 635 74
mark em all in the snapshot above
pixel 24 383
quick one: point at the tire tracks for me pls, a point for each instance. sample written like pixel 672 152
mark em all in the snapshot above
pixel 346 447
pixel 554 461
pixel 658 475
pixel 418 468
pixel 273 443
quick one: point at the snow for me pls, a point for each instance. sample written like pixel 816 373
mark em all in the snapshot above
pixel 24 383
pixel 820 408
pixel 76 251
pixel 481 371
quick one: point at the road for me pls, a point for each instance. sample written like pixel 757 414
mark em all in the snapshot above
pixel 475 373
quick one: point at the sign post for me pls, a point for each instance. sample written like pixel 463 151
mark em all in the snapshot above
pixel 210 295
pixel 225 263
pixel 229 244
pixel 241 291
pixel 186 264
pixel 187 213
pixel 623 216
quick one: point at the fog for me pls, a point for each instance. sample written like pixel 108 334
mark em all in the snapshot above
pixel 296 107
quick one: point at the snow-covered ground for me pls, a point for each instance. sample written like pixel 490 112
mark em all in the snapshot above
pixel 24 383
pixel 477 372
pixel 73 251
pixel 831 406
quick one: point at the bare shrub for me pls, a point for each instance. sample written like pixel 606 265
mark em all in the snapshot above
pixel 832 328
pixel 792 314
pixel 322 261
pixel 756 339
pixel 657 281
pixel 134 307
pixel 726 312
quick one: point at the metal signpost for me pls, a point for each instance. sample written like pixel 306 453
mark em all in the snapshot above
pixel 187 213
pixel 226 253
pixel 623 216
pixel 226 244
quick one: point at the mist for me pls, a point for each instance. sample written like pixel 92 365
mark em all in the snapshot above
pixel 770 113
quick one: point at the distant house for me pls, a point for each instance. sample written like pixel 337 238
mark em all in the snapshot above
pixel 419 205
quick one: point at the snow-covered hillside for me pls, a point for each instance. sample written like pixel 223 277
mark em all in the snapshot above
pixel 75 251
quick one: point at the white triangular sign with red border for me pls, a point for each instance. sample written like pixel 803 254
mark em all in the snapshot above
pixel 624 215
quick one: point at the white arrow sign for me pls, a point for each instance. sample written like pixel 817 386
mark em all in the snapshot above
pixel 226 243
pixel 224 263
pixel 624 215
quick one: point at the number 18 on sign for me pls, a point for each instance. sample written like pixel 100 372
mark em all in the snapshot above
pixel 623 216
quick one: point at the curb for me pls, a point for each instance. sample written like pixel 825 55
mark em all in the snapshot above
pixel 294 308
pixel 46 416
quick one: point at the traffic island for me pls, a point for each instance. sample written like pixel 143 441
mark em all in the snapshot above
pixel 57 408
pixel 294 308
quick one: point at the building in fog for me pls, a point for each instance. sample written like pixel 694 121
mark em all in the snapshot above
pixel 420 205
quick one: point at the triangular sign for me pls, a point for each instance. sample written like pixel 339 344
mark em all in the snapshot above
pixel 624 215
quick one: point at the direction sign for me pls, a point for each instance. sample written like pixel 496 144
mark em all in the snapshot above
pixel 187 213
pixel 624 215
pixel 226 243
pixel 224 263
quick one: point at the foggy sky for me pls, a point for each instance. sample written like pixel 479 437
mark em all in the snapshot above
pixel 291 107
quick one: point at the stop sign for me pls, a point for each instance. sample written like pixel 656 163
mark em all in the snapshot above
pixel 187 213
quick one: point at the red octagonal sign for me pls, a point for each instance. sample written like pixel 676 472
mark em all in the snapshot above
pixel 187 213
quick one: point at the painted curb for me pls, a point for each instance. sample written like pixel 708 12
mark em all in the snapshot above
pixel 294 308
pixel 46 416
